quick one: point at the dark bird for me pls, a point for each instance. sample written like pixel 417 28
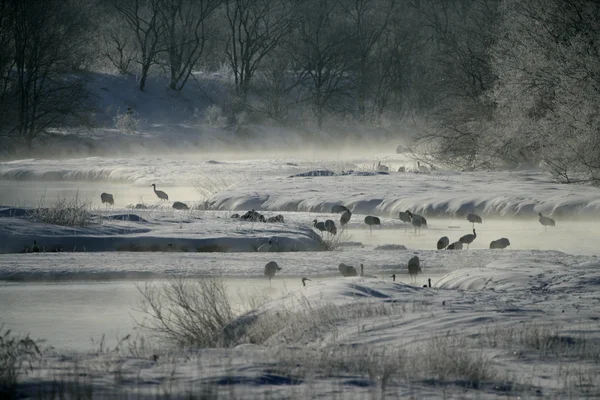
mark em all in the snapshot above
pixel 455 246
pixel 405 217
pixel 270 269
pixel 414 267
pixel 468 239
pixel 338 208
pixel 35 248
pixel 422 168
pixel 180 206
pixel 417 221
pixel 443 242
pixel 500 243
pixel 330 227
pixel 304 281
pixel 393 277
pixel 107 198
pixel 546 221
pixel 474 219
pixel 382 167
pixel 253 216
pixel 345 217
pixel 371 220
pixel 347 270
pixel 319 225
pixel 161 195
pixel 276 219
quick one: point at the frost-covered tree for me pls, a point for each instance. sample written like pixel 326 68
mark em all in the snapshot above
pixel 548 92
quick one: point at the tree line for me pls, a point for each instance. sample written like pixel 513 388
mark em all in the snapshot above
pixel 491 82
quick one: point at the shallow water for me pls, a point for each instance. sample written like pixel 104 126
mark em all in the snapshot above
pixel 569 237
pixel 71 314
pixel 46 193
pixel 76 315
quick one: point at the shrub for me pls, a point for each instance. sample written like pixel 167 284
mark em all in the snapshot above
pixel 333 242
pixel 210 184
pixel 17 355
pixel 64 211
pixel 186 312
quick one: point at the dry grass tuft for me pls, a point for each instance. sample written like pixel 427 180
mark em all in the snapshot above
pixel 65 211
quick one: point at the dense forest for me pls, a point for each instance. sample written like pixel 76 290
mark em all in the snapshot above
pixel 498 82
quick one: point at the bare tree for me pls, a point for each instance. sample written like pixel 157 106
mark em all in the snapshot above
pixel 393 82
pixel 369 20
pixel 143 19
pixel 119 47
pixel 277 84
pixel 255 29
pixel 7 62
pixel 321 51
pixel 458 37
pixel 186 35
pixel 45 41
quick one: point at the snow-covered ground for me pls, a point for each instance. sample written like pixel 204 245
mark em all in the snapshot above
pixel 519 322
pixel 523 325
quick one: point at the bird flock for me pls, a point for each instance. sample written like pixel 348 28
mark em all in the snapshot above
pixel 329 227
pixel 407 217
pixel 109 200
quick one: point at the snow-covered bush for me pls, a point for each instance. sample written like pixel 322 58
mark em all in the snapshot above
pixel 127 122
pixel 213 116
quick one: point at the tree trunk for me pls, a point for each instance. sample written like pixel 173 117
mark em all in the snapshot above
pixel 145 69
